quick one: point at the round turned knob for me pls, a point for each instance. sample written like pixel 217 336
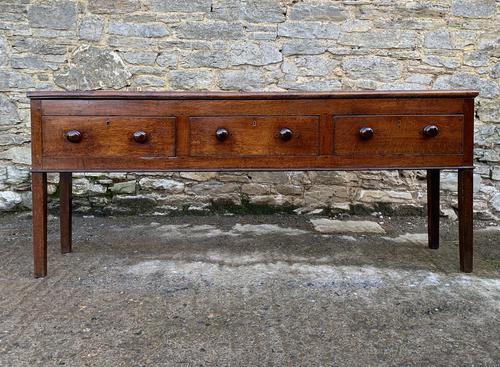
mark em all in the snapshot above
pixel 285 134
pixel 366 133
pixel 221 134
pixel 140 136
pixel 431 131
pixel 73 136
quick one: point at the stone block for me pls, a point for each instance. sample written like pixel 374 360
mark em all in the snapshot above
pixel 324 195
pixel 7 139
pixel 127 187
pixel 149 81
pixel 83 187
pixel 146 30
pixel 310 85
pixel 463 38
pixel 271 200
pixel 255 189
pixel 191 80
pixel 439 61
pixel 9 200
pixel 140 57
pixel 270 177
pixel 134 203
pixel 303 47
pixel 380 39
pixel 114 6
pixel 449 181
pixel 233 177
pixel 91 28
pixel 28 62
pixel 439 39
pixel 16 80
pixel 495 202
pixel 169 186
pixel 210 30
pixel 21 155
pixel 246 79
pixel 198 176
pixel 309 30
pixel 322 11
pixel 169 6
pixel 255 11
pixel 379 196
pixel 487 88
pixel 495 71
pixel 473 8
pixel 8 111
pixel 289 189
pixel 333 178
pixel 253 53
pixel 17 176
pixel 27 201
pixel 211 188
pixel 495 173
pixel 53 15
pixel 167 59
pixel 214 58
pixel 425 79
pixel 92 68
pixel 374 68
pixel 309 65
pixel 476 59
pixel 4 51
pixel 38 46
pixel 234 54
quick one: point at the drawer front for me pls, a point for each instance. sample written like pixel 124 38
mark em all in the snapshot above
pixel 254 135
pixel 398 134
pixel 101 136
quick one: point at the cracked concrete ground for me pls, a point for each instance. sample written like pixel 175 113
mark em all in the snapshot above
pixel 248 291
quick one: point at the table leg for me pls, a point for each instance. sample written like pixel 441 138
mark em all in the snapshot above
pixel 433 207
pixel 39 199
pixel 465 194
pixel 65 218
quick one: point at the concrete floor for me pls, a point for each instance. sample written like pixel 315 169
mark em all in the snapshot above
pixel 247 291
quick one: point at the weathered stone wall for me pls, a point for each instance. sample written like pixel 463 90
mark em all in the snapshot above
pixel 248 45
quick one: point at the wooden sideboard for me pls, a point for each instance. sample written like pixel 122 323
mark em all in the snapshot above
pixel 154 131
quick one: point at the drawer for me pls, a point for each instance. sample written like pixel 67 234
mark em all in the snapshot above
pixel 398 134
pixel 101 136
pixel 254 135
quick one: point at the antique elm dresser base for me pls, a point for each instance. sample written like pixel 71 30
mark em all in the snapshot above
pixel 155 131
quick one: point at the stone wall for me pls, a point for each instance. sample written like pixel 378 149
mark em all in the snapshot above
pixel 249 45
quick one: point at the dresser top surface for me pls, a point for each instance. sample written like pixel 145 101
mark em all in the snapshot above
pixel 250 95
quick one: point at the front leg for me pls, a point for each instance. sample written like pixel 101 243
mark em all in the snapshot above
pixel 465 195
pixel 39 199
pixel 433 207
pixel 65 217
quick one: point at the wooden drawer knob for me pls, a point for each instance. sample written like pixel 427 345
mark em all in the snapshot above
pixel 431 131
pixel 221 134
pixel 73 136
pixel 140 136
pixel 366 133
pixel 285 134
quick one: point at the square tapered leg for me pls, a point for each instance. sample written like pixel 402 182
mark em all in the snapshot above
pixel 39 191
pixel 65 217
pixel 465 195
pixel 433 207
